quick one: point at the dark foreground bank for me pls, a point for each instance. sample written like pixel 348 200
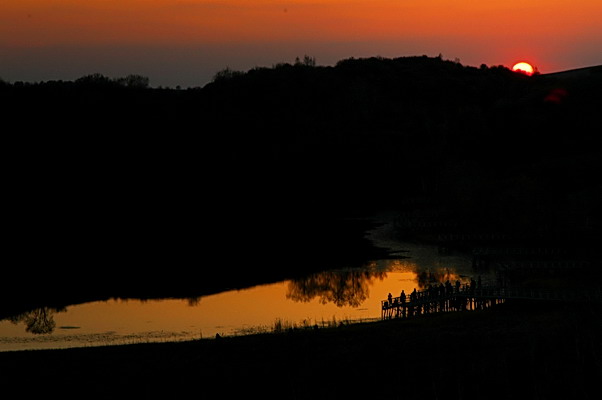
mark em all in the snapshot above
pixel 513 351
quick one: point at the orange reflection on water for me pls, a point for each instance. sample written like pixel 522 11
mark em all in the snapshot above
pixel 319 299
pixel 245 311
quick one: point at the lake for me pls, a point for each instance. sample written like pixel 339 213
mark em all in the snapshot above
pixel 320 299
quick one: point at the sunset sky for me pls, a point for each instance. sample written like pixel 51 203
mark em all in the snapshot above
pixel 185 42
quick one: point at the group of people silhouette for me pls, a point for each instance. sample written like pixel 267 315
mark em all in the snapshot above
pixel 435 298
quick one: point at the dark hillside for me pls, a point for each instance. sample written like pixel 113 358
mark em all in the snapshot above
pixel 108 178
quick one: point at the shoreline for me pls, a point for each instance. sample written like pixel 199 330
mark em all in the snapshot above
pixel 544 350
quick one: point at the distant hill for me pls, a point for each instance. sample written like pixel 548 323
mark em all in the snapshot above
pixel 112 172
pixel 578 73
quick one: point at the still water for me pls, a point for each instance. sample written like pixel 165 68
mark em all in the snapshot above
pixel 321 299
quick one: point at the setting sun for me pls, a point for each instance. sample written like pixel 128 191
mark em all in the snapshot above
pixel 524 68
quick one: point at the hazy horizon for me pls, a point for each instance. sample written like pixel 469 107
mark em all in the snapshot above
pixel 184 43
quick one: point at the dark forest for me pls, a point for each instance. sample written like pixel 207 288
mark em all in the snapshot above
pixel 107 179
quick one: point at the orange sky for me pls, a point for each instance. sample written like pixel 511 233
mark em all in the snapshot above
pixel 172 37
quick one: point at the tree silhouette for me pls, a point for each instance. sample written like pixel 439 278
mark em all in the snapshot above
pixel 134 81
pixel 307 61
pixel 226 74
pixel 343 288
pixel 38 321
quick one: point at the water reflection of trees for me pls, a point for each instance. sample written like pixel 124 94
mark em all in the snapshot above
pixel 343 288
pixel 431 271
pixel 430 276
pixel 194 301
pixel 38 321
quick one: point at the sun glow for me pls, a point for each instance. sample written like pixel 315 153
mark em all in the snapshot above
pixel 523 67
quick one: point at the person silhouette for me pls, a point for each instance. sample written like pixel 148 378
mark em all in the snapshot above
pixel 390 298
pixel 402 297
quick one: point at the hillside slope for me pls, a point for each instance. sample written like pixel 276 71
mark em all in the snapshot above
pixel 109 179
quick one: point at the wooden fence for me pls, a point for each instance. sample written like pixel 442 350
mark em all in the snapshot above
pixel 472 297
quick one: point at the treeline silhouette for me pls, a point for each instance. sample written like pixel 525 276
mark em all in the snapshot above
pixel 251 175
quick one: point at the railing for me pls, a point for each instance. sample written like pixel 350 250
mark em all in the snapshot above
pixel 467 297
